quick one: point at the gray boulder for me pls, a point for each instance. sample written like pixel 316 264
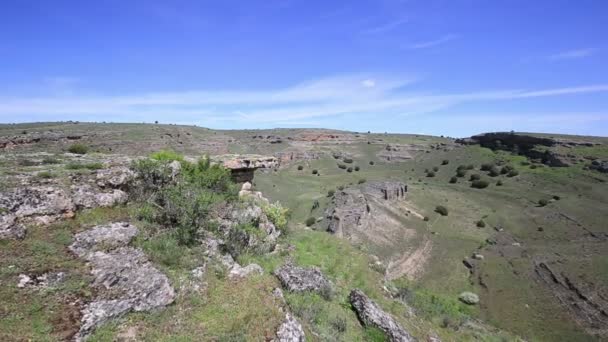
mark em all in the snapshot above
pixel 10 228
pixel 469 298
pixel 115 177
pixel 86 196
pixel 112 235
pixel 237 271
pixel 290 330
pixel 300 279
pixel 369 313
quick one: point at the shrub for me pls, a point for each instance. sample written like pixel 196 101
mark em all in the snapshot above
pixel 470 167
pixel 435 168
pixel 556 197
pixel 342 166
pixel 486 167
pixel 45 175
pixel 525 163
pixel 479 184
pixel 315 171
pixel 426 218
pixel 494 172
pixel 512 173
pixel 542 202
pixel 310 221
pixel 81 166
pixel 50 160
pixel 461 173
pixel 347 160
pixel 361 181
pixel 475 177
pixel 533 166
pixel 166 155
pixel 454 179
pixel 445 162
pixel 430 174
pixel 277 214
pixel 330 193
pixel 350 169
pixel 357 168
pixel 499 183
pixel 371 162
pixel 300 167
pixel 341 187
pixel 481 224
pixel 443 211
pixel 506 169
pixel 78 149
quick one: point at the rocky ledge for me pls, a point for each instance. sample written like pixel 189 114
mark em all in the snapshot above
pixel 242 167
pixel 124 279
pixel 370 314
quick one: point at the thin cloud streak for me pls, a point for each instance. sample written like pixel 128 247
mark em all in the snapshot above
pixel 572 54
pixel 386 27
pixel 346 95
pixel 433 43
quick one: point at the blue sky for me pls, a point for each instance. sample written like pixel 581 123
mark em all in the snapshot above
pixel 453 67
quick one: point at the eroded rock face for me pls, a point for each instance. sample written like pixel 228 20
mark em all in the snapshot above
pixel 369 313
pixel 290 330
pixel 300 279
pixel 242 167
pixel 387 190
pixel 124 278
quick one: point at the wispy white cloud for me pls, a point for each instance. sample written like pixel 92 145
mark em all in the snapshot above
pixel 346 96
pixel 386 26
pixel 572 54
pixel 432 43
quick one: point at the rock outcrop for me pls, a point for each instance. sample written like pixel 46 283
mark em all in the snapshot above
pixel 242 167
pixel 370 314
pixel 124 279
pixel 301 279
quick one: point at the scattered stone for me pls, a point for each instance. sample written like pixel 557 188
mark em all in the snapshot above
pixel 41 281
pixel 300 279
pixel 469 298
pixel 290 330
pixel 478 256
pixel 237 271
pixel 116 177
pixel 85 196
pixel 369 313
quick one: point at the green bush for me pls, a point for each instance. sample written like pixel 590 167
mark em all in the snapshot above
pixel 506 169
pixel 350 169
pixel 371 162
pixel 357 168
pixel 512 173
pixel 435 168
pixel 300 167
pixel 81 166
pixel 310 221
pixel 341 187
pixel 542 202
pixel 556 197
pixel 315 171
pixel 330 193
pixel 342 166
pixel 445 162
pixel 430 174
pixel 166 155
pixel 426 218
pixel 481 224
pixel 486 167
pixel 50 160
pixel 494 172
pixel 347 160
pixel 454 179
pixel 479 184
pixel 470 167
pixel 475 177
pixel 461 173
pixel 361 181
pixel 499 183
pixel 277 214
pixel 78 149
pixel 443 211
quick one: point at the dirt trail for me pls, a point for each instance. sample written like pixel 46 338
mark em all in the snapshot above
pixel 411 264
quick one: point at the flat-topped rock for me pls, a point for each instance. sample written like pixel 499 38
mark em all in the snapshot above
pixel 243 166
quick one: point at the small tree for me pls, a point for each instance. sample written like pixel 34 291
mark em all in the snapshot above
pixel 475 177
pixel 461 173
pixel 300 167
pixel 454 179
pixel 315 171
pixel 371 162
pixel 481 224
pixel 542 202
pixel 430 174
pixel 357 168
pixel 443 211
pixel 486 167
pixel 350 169
pixel 512 173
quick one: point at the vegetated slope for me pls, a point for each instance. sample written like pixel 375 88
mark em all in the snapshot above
pixel 543 239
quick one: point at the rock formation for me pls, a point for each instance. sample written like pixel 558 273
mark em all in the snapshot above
pixel 242 167
pixel 301 279
pixel 369 313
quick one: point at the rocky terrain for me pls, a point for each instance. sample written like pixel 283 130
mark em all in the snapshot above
pixel 128 232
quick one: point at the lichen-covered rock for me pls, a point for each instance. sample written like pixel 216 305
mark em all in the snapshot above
pixel 115 177
pixel 33 201
pixel 469 298
pixel 290 330
pixel 10 228
pixel 45 280
pixel 86 196
pixel 112 235
pixel 369 313
pixel 299 279
pixel 261 238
